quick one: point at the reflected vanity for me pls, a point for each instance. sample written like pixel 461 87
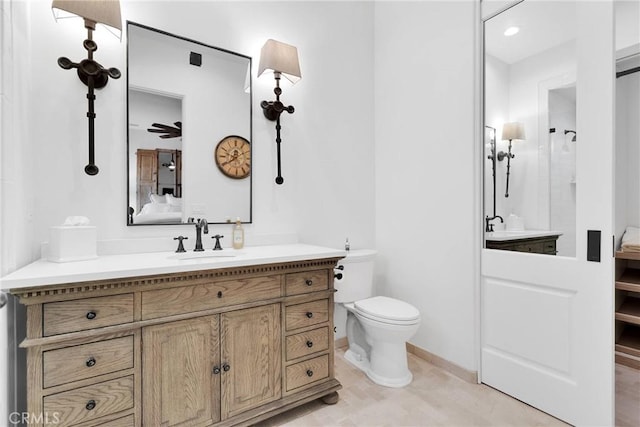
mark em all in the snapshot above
pixel 529 81
pixel 184 98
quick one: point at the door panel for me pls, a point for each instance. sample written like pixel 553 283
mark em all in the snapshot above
pixel 177 367
pixel 547 321
pixel 252 351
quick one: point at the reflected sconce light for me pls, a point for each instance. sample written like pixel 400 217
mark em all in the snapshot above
pixel 92 74
pixel 510 131
pixel 282 59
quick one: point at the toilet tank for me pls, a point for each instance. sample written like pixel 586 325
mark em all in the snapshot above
pixel 357 276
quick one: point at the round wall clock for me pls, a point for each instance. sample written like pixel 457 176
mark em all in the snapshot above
pixel 233 156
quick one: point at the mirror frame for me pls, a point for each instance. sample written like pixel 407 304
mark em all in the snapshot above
pixel 250 81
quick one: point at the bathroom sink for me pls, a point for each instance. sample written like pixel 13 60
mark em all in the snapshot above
pixel 205 255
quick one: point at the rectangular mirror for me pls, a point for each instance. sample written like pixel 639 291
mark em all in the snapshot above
pixel 530 131
pixel 189 130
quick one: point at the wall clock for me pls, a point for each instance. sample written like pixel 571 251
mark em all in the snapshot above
pixel 233 156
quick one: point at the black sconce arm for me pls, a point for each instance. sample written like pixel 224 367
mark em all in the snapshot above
pixel 272 111
pixel 95 76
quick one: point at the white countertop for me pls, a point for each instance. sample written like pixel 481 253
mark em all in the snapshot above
pixel 504 235
pixel 43 272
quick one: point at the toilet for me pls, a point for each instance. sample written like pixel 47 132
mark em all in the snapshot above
pixel 377 327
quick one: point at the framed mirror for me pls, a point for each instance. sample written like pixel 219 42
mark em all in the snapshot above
pixel 184 98
pixel 530 133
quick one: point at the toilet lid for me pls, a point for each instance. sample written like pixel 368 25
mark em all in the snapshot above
pixel 387 308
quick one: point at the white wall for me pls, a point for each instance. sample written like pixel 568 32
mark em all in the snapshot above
pixel 425 211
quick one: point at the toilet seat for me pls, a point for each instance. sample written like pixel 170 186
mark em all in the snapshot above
pixel 387 310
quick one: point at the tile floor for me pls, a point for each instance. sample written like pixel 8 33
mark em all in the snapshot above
pixel 434 398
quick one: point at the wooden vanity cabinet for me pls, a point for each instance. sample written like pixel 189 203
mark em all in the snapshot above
pixel 216 347
pixel 536 245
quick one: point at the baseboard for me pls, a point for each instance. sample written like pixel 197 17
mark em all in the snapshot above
pixel 341 343
pixel 452 368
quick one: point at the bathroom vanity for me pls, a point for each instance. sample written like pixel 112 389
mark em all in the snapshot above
pixel 531 241
pixel 152 339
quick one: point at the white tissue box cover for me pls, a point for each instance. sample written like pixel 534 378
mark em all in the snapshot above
pixel 72 243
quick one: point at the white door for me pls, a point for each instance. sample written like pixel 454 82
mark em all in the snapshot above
pixel 547 321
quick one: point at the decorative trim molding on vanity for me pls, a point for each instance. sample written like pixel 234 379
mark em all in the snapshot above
pixel 241 343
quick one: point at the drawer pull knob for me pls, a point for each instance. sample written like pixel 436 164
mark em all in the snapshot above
pixel 309 314
pixel 219 294
pixel 226 367
pixel 90 405
pixel 91 315
pixel 216 370
pixel 309 282
pixel 91 362
pixel 309 373
pixel 309 344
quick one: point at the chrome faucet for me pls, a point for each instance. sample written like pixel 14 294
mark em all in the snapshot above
pixel 201 227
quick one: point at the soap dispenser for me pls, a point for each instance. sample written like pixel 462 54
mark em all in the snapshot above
pixel 238 235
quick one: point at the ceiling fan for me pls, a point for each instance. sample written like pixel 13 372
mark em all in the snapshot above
pixel 168 131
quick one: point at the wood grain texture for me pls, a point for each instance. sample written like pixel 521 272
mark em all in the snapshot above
pixel 305 282
pixel 109 397
pixel 127 421
pixel 85 361
pixel 306 314
pixel 179 386
pixel 71 316
pixel 251 347
pixel 188 299
pixel 307 372
pixel 306 343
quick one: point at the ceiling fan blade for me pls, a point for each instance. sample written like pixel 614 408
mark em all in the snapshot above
pixel 178 124
pixel 156 130
pixel 161 126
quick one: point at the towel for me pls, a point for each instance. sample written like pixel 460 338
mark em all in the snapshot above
pixel 631 240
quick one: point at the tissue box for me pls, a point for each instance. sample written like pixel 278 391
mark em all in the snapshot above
pixel 72 243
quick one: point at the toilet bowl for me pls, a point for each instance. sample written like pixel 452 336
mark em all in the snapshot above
pixel 377 327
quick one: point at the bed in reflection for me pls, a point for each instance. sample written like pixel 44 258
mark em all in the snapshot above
pixel 165 209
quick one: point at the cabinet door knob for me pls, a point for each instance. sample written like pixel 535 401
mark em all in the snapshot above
pixel 309 373
pixel 219 294
pixel 226 367
pixel 90 362
pixel 309 314
pixel 90 405
pixel 309 344
pixel 216 370
pixel 309 282
pixel 91 315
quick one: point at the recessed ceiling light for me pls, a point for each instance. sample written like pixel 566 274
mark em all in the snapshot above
pixel 511 31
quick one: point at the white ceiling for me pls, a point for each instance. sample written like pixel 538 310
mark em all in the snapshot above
pixel 545 24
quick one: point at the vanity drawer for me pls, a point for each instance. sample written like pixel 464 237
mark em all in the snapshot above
pixel 88 313
pixel 206 296
pixel 75 363
pixel 128 421
pixel 306 343
pixel 307 372
pixel 306 314
pixel 87 403
pixel 305 282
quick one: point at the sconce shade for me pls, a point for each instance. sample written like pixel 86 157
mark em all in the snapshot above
pixel 280 57
pixel 513 130
pixel 106 12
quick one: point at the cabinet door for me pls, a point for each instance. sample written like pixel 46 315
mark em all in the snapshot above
pixel 251 355
pixel 180 387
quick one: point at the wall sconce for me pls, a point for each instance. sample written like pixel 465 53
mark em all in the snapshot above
pixel 91 73
pixel 510 131
pixel 281 58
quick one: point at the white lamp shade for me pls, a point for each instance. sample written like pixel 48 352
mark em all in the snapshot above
pixel 280 57
pixel 106 12
pixel 513 130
